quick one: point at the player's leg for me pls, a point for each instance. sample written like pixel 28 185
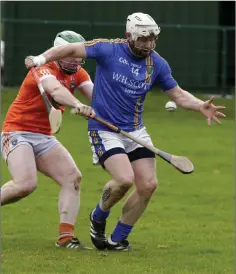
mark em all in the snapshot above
pixel 57 163
pixel 119 167
pixel 21 165
pixel 146 183
pixel 144 168
pixel 114 159
pixel 136 203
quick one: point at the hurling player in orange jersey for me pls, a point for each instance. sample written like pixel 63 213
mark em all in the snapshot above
pixel 28 146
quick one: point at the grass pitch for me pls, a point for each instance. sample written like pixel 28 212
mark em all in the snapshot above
pixel 187 229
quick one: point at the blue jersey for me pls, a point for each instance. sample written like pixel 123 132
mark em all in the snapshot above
pixel 122 82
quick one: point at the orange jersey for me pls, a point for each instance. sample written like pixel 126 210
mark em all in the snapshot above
pixel 28 111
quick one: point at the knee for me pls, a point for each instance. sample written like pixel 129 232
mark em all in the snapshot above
pixel 148 187
pixel 152 185
pixel 73 179
pixel 126 181
pixel 27 187
pixel 77 180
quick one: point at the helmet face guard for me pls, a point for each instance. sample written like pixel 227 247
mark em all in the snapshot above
pixel 70 67
pixel 143 46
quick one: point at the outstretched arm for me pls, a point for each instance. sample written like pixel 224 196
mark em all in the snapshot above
pixel 76 50
pixel 186 100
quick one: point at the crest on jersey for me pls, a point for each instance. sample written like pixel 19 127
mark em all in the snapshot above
pixel 72 84
pixel 149 69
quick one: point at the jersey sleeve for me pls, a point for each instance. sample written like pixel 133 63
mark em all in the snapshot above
pixel 165 78
pixel 82 78
pixel 99 48
pixel 46 71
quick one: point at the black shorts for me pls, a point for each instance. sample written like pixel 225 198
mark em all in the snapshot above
pixel 138 153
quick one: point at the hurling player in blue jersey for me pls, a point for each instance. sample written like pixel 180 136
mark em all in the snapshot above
pixel 126 70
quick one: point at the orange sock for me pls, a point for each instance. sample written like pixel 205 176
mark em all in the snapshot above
pixel 66 232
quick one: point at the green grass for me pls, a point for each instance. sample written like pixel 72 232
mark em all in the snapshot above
pixel 187 229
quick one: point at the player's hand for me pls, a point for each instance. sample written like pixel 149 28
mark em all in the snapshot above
pixel 34 61
pixel 211 112
pixel 85 111
pixel 29 63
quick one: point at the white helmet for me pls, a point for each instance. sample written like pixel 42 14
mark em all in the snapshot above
pixel 140 24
